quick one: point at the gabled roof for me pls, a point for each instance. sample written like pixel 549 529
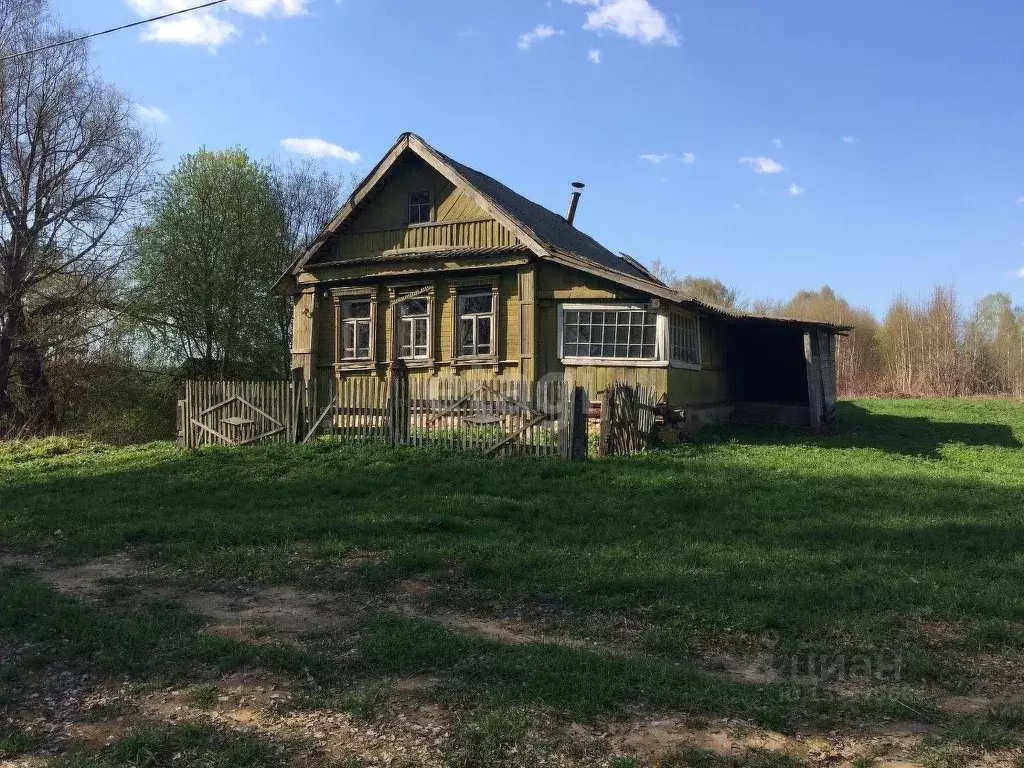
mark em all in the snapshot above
pixel 544 232
pixel 541 231
pixel 551 229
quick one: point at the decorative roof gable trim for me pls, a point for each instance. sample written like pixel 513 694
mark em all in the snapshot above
pixel 413 143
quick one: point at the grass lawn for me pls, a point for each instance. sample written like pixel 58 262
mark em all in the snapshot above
pixel 788 583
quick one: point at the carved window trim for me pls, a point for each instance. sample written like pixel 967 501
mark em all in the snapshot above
pixel 350 293
pixel 395 295
pixel 479 284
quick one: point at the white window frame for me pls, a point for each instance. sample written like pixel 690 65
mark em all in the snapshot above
pixel 412 322
pixel 355 322
pixel 354 293
pixel 679 363
pixel 475 317
pixel 660 359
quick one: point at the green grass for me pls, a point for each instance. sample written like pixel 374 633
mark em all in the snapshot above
pixel 853 546
pixel 911 511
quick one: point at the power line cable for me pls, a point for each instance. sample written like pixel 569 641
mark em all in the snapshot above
pixel 108 31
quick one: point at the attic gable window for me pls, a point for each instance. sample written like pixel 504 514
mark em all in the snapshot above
pixel 420 208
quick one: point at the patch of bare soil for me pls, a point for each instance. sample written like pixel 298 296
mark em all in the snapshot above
pixel 510 631
pixel 84 580
pixel 253 614
pixel 758 668
pixel 650 738
pixel 279 613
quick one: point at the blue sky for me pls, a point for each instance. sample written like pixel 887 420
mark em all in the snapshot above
pixel 876 146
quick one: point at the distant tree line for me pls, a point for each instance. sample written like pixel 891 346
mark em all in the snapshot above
pixel 116 280
pixel 927 347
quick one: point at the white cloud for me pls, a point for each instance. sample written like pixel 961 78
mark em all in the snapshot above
pixel 851 140
pixel 777 143
pixel 1019 272
pixel 200 28
pixel 208 26
pixel 1020 200
pixel 636 19
pixel 650 157
pixel 262 39
pixel 155 114
pixel 320 148
pixel 796 190
pixel 540 32
pixel 688 158
pixel 594 56
pixel 266 7
pixel 763 164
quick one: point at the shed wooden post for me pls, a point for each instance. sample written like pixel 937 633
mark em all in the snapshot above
pixel 827 351
pixel 813 362
pixel 604 441
pixel 578 439
pixel 398 402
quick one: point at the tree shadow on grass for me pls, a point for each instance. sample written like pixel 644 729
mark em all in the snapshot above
pixel 157 645
pixel 859 427
pixel 706 539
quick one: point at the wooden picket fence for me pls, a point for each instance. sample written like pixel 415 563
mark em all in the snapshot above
pixel 627 418
pixel 490 416
pixel 238 412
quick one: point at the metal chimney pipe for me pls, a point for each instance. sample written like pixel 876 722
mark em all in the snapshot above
pixel 574 200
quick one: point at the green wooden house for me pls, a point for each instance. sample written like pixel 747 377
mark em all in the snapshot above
pixel 446 268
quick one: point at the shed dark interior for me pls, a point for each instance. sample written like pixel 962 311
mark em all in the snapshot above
pixel 767 364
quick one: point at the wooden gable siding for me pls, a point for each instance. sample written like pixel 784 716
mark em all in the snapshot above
pixel 382 223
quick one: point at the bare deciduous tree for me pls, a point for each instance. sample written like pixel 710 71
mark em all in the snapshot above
pixel 309 196
pixel 73 164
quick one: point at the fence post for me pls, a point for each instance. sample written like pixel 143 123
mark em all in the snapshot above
pixel 578 439
pixel 398 403
pixel 299 389
pixel 605 445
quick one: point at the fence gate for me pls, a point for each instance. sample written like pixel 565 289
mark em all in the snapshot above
pixel 489 416
pixel 627 418
pixel 238 412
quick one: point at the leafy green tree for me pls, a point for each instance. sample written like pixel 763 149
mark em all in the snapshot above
pixel 213 245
